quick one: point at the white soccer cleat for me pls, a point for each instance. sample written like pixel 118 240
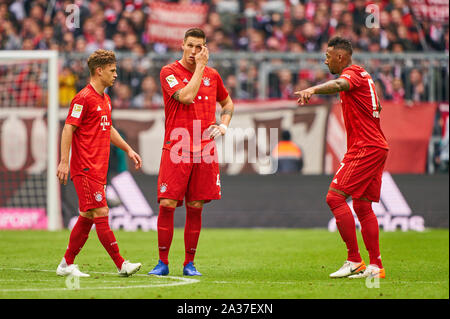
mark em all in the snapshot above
pixel 70 270
pixel 129 269
pixel 371 271
pixel 349 268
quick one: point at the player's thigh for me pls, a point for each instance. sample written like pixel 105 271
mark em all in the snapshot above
pixel 173 178
pixel 91 194
pixel 204 183
pixel 358 170
pixel 373 189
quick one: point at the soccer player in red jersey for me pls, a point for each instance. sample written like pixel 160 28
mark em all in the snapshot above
pixel 189 166
pixel 88 130
pixel 360 171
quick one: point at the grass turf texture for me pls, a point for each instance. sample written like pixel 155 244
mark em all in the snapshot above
pixel 236 263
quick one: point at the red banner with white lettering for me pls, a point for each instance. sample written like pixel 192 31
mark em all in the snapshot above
pixel 169 21
pixel 430 10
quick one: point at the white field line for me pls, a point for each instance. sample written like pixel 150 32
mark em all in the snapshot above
pixel 179 282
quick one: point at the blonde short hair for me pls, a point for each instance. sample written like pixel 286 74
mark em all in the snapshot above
pixel 100 58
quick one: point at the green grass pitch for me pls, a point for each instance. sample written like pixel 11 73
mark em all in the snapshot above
pixel 236 264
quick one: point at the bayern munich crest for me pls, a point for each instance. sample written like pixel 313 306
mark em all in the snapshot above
pixel 163 188
pixel 206 81
pixel 98 197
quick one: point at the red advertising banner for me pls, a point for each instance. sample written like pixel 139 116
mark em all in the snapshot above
pixel 407 129
pixel 169 21
pixel 430 10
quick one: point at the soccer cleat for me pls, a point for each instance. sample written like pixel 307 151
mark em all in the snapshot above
pixel 129 269
pixel 371 271
pixel 70 270
pixel 189 270
pixel 349 268
pixel 161 269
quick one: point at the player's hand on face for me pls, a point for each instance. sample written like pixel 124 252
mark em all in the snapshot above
pixel 136 159
pixel 63 172
pixel 215 131
pixel 304 96
pixel 202 57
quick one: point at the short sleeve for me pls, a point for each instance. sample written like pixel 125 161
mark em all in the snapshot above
pixel 170 82
pixel 77 110
pixel 352 77
pixel 222 92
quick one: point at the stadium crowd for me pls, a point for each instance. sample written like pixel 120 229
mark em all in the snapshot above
pixel 231 25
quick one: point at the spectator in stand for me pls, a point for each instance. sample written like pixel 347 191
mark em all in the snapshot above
pixel 67 88
pixel 122 96
pixel 398 92
pixel 149 98
pixel 417 90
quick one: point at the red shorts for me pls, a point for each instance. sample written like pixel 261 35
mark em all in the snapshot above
pixel 360 173
pixel 90 193
pixel 192 179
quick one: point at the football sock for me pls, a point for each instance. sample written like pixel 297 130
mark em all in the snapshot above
pixel 345 224
pixel 165 232
pixel 369 229
pixel 192 232
pixel 78 237
pixel 108 240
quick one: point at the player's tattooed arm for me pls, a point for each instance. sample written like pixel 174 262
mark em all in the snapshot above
pixel 227 110
pixel 330 87
pixel 176 95
pixel 333 86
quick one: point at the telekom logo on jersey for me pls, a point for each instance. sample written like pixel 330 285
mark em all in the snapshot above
pixel 104 122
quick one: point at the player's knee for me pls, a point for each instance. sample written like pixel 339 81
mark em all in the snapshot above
pixel 166 202
pixel 100 212
pixel 195 204
pixel 334 199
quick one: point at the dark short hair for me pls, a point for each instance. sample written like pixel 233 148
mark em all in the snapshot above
pixel 341 43
pixel 195 33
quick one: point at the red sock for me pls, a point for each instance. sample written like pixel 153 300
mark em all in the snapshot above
pixel 108 240
pixel 345 224
pixel 369 229
pixel 192 232
pixel 78 237
pixel 165 232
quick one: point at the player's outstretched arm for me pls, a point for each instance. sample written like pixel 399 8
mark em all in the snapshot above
pixel 66 141
pixel 330 87
pixel 187 94
pixel 225 117
pixel 118 141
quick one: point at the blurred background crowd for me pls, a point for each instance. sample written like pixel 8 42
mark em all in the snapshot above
pixel 252 26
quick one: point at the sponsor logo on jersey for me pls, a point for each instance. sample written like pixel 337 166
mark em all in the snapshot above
pixel 364 73
pixel 104 122
pixel 76 111
pixel 346 76
pixel 171 80
pixel 99 108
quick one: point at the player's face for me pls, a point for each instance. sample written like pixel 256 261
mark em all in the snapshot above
pixel 191 46
pixel 331 60
pixel 109 74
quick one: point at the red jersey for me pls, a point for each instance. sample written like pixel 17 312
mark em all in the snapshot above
pixel 360 109
pixel 91 113
pixel 174 77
